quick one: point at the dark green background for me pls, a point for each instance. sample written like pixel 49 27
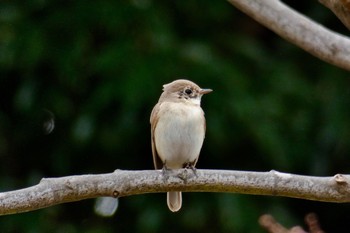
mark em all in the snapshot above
pixel 99 67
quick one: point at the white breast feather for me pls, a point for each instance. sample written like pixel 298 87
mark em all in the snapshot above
pixel 179 134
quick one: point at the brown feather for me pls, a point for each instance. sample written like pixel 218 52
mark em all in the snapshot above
pixel 158 164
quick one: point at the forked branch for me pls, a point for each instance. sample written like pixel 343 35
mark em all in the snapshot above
pixel 272 226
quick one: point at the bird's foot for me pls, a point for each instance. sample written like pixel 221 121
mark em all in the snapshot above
pixel 165 172
pixel 191 166
pixel 185 175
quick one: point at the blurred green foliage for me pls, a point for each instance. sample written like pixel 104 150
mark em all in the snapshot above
pixel 97 68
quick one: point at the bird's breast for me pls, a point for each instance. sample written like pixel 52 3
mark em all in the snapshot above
pixel 179 133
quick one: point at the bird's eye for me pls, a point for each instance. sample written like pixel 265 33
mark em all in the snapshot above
pixel 188 91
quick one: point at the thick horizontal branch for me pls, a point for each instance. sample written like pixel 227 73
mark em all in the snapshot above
pixel 319 41
pixel 53 191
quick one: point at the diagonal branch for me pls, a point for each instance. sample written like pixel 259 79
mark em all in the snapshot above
pixel 319 41
pixel 53 191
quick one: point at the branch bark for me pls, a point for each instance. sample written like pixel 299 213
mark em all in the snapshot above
pixel 319 41
pixel 53 191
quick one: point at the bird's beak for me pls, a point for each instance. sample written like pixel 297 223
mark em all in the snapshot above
pixel 205 91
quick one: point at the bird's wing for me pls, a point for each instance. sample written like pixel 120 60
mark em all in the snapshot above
pixel 158 164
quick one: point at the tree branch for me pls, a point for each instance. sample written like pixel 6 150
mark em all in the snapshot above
pixel 271 225
pixel 53 191
pixel 319 41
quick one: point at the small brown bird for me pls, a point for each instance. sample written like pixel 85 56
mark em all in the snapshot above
pixel 177 130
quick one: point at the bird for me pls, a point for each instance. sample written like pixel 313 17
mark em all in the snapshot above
pixel 177 130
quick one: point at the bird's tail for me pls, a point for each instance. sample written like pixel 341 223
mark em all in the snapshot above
pixel 174 200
